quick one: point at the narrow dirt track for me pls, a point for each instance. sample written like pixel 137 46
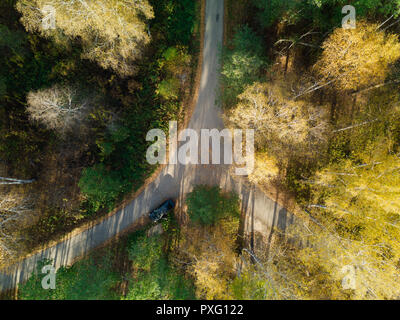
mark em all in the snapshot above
pixel 174 181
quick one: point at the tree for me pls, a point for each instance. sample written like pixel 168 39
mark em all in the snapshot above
pixel 59 108
pixel 89 279
pixel 271 11
pixel 355 209
pixel 145 251
pixel 16 211
pixel 206 205
pixel 267 273
pixel 342 268
pixel 175 64
pixel 276 119
pixel 153 277
pixel 285 129
pixel 112 32
pixel 242 62
pixel 356 58
pixel 14 41
pixel 323 14
pixel 266 169
pixel 366 193
pixel 293 42
pixel 100 186
pixel 9 181
pixel 208 254
pixel 169 89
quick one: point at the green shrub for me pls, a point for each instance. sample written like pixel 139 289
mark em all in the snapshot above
pixel 242 63
pixel 206 205
pixel 145 251
pixel 169 88
pixel 163 282
pixel 85 280
pixel 100 186
pixel 155 278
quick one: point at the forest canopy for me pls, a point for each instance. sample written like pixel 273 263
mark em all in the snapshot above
pixel 326 113
pixel 77 99
pixel 112 32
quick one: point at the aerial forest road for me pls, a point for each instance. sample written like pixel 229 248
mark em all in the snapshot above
pixel 261 213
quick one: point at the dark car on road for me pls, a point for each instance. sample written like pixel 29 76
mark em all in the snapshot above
pixel 161 211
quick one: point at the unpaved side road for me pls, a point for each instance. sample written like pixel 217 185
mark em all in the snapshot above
pixel 174 181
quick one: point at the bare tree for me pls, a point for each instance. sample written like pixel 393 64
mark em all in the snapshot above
pixel 58 108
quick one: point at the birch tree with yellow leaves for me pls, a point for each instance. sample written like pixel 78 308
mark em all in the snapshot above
pixel 283 126
pixel 207 251
pixel 346 247
pixel 275 117
pixel 354 59
pixel 356 214
pixel 112 32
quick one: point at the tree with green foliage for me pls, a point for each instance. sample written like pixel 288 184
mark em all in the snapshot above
pixel 271 11
pixel 175 65
pixel 153 277
pixel 85 280
pixel 179 20
pixel 169 89
pixel 242 61
pixel 12 39
pixel 207 205
pixel 163 282
pixel 101 186
pixel 145 251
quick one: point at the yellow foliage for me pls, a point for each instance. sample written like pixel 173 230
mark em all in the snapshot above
pixel 358 205
pixel 356 58
pixel 210 251
pixel 265 169
pixel 112 32
pixel 276 119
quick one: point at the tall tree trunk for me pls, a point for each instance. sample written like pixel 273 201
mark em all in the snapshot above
pixel 4 180
pixel 333 108
pixel 353 106
pixel 287 61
